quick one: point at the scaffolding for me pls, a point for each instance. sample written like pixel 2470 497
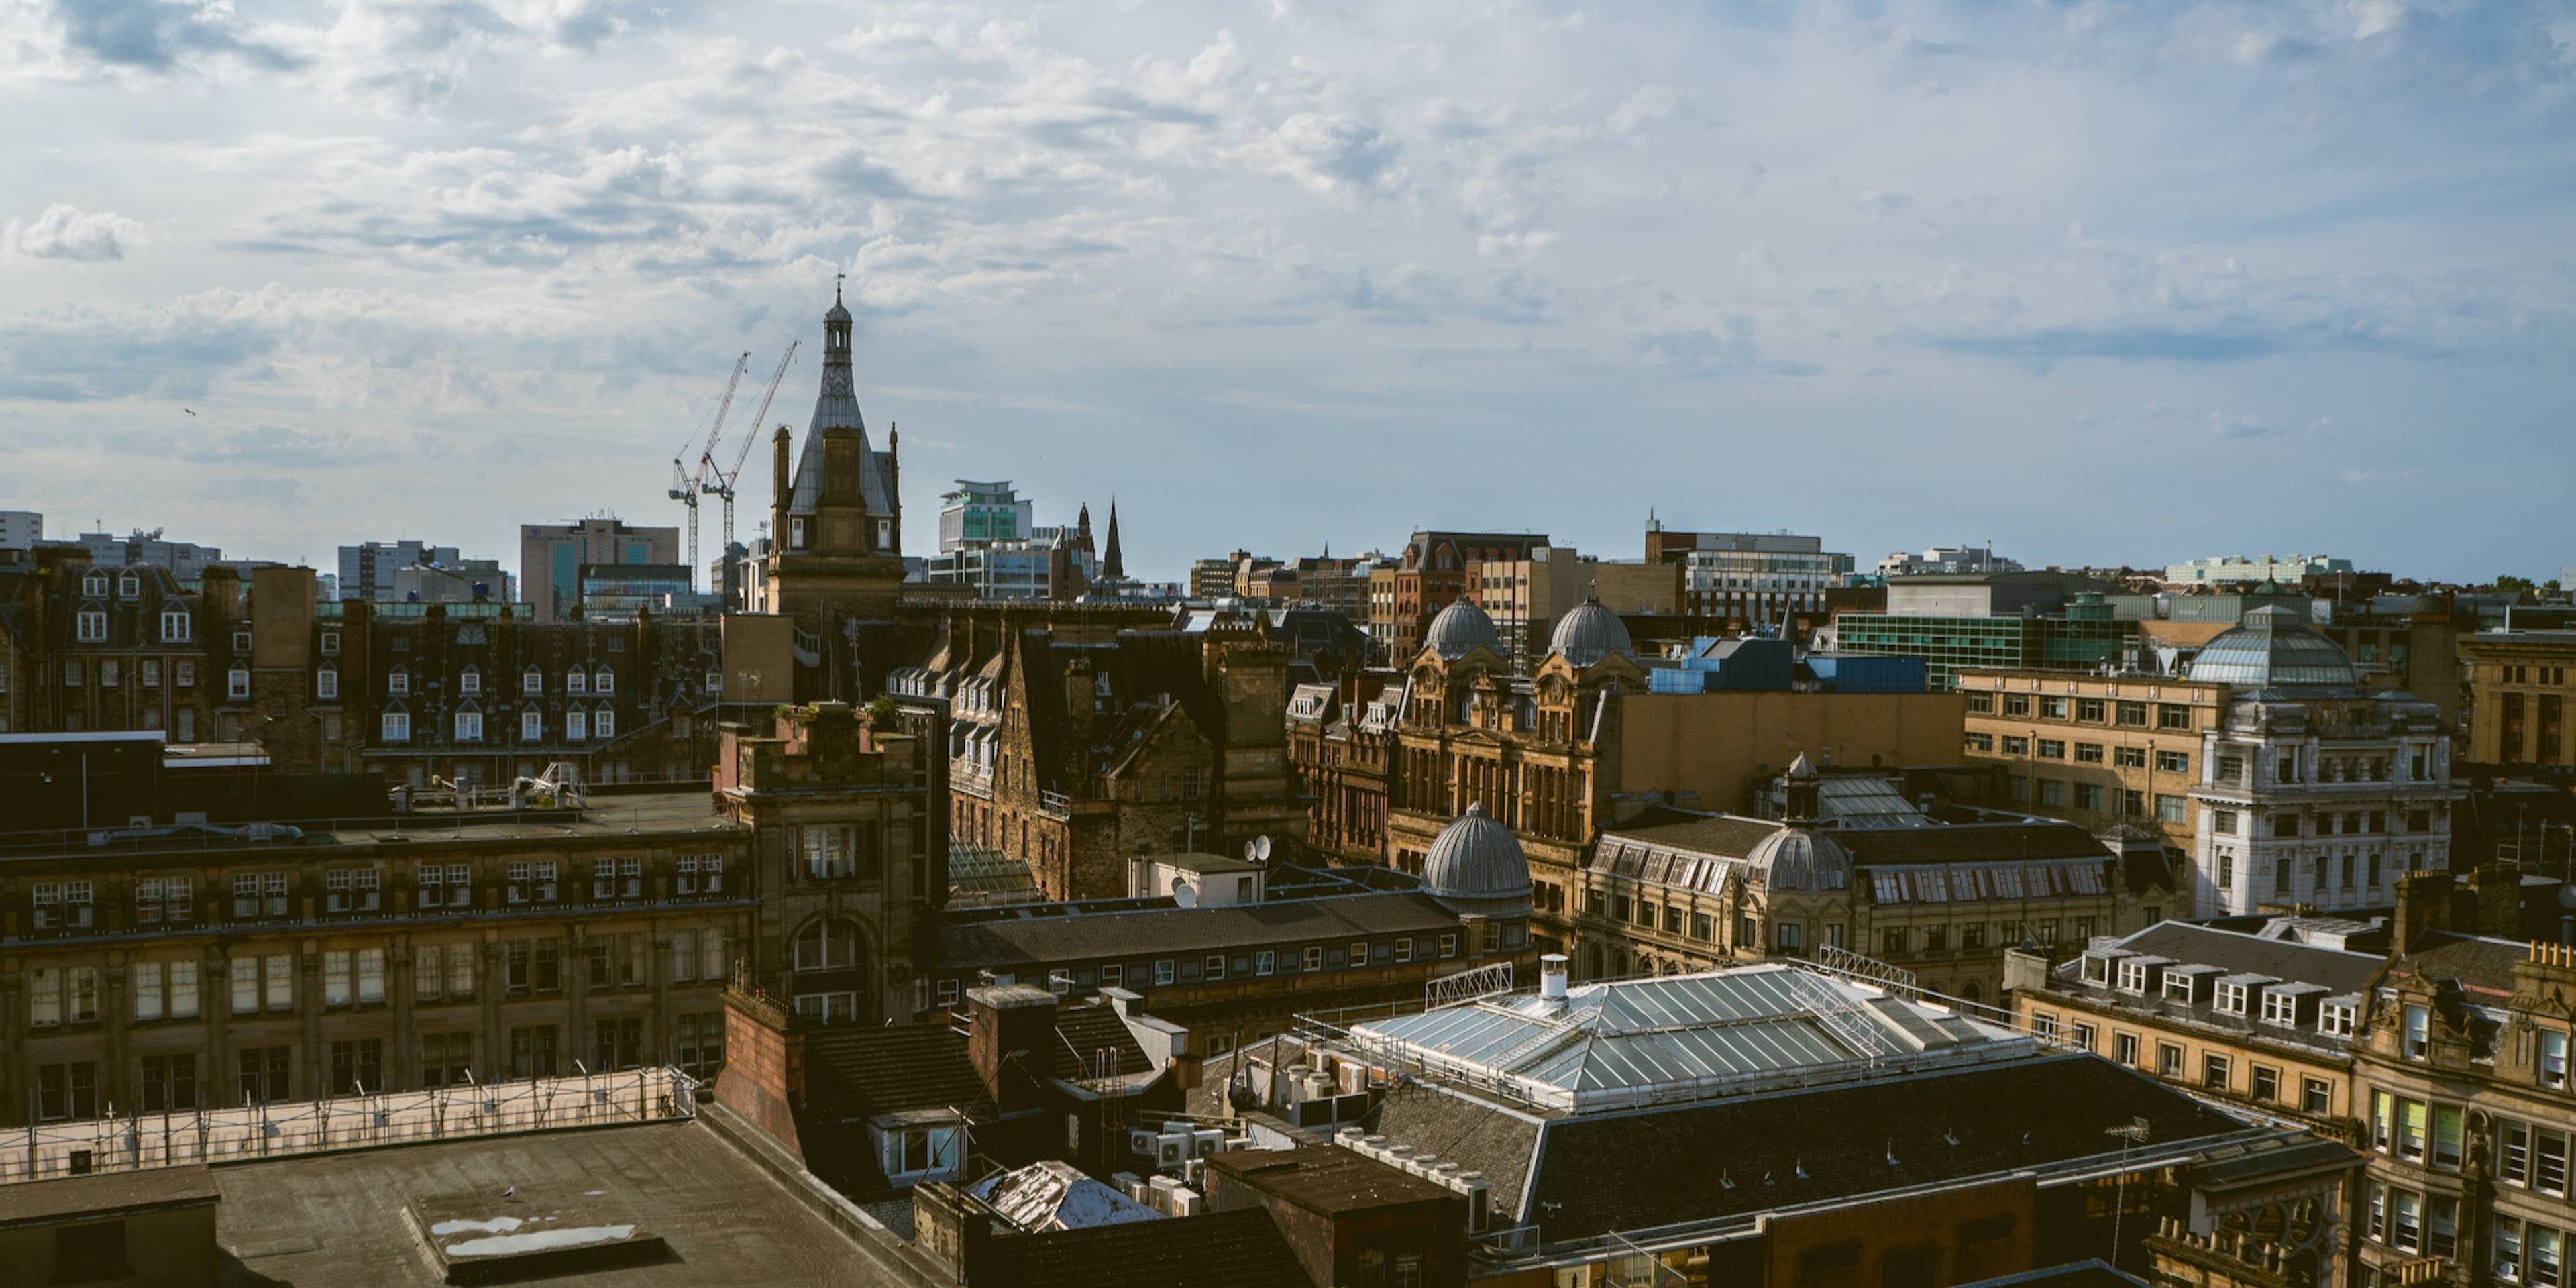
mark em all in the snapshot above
pixel 43 1151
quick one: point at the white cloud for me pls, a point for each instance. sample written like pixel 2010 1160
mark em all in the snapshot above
pixel 65 232
pixel 1061 224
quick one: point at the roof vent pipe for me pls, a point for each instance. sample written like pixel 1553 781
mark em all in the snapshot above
pixel 1551 977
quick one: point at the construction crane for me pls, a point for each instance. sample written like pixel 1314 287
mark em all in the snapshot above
pixel 721 481
pixel 685 484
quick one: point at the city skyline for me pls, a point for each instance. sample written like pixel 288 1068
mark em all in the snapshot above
pixel 2095 284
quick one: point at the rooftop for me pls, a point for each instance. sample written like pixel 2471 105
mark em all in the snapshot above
pixel 1236 1249
pixel 1043 937
pixel 1324 1179
pixel 659 813
pixel 345 1219
pixel 1679 1037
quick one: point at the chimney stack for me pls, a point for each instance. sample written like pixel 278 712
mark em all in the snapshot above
pixel 2423 904
pixel 780 480
pixel 1551 977
pixel 1010 1035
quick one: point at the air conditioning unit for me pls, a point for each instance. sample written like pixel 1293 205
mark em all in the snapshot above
pixel 1171 1150
pixel 1188 1203
pixel 1142 1140
pixel 1206 1144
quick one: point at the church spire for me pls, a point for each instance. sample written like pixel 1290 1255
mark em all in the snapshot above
pixel 1112 563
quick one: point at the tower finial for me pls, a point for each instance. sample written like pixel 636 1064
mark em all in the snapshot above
pixel 837 279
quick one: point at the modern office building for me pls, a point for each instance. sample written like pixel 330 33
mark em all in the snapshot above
pixel 1749 576
pixel 1950 643
pixel 624 592
pixel 551 556
pixel 2225 570
pixel 373 570
pixel 975 513
pixel 1951 559
pixel 185 559
pixel 21 529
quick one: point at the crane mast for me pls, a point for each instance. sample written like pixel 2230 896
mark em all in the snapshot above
pixel 685 485
pixel 713 478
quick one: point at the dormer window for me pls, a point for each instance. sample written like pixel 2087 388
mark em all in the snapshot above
pixel 2334 1019
pixel 175 626
pixel 576 680
pixel 471 682
pixel 604 682
pixel 532 681
pixel 2231 998
pixel 241 641
pixel 2133 977
pixel 129 586
pixel 94 586
pixel 398 682
pixel 2280 1008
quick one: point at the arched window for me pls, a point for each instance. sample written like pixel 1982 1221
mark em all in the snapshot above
pixel 829 944
pixel 470 681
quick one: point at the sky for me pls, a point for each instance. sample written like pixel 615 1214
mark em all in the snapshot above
pixel 2096 282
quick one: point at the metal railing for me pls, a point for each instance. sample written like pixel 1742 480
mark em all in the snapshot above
pixel 366 1121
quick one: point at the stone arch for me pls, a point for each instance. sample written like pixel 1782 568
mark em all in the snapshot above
pixel 830 969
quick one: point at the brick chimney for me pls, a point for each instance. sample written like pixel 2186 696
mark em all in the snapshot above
pixel 764 1071
pixel 2423 903
pixel 2495 900
pixel 1010 1035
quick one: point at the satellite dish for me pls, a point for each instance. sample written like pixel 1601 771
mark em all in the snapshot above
pixel 1261 848
pixel 1186 896
pixel 1251 853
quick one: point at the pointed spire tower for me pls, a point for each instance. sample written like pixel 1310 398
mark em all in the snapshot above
pixel 1113 564
pixel 836 544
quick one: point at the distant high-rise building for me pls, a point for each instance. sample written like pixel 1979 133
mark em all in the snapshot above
pixel 1905 563
pixel 551 556
pixel 976 513
pixel 139 548
pixel 2289 570
pixel 1756 576
pixel 373 571
pixel 20 529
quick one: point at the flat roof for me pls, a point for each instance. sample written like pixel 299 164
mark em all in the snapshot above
pixel 660 813
pixel 1326 1178
pixel 82 1197
pixel 343 1220
pixel 1206 862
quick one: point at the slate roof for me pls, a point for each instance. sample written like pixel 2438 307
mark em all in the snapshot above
pixel 2483 966
pixel 1042 939
pixel 1476 1135
pixel 1970 843
pixel 2339 970
pixel 1725 835
pixel 865 1071
pixel 1237 1249
pixel 1604 1172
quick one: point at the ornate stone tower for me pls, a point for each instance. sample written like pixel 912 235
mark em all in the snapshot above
pixel 836 531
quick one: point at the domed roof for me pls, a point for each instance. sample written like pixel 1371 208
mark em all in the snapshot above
pixel 2273 649
pixel 1589 634
pixel 838 313
pixel 1460 629
pixel 1798 858
pixel 1476 865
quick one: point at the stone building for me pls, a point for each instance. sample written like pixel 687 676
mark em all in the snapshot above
pixel 2099 751
pixel 836 528
pixel 2460 1076
pixel 2257 1011
pixel 2522 687
pixel 1341 737
pixel 1241 972
pixel 1432 573
pixel 173 967
pixel 2311 789
pixel 1074 752
pixel 1562 755
pixel 1939 901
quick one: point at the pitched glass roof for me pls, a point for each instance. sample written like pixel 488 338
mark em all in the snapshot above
pixel 1680 1037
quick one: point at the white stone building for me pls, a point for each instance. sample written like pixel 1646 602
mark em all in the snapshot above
pixel 2312 791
